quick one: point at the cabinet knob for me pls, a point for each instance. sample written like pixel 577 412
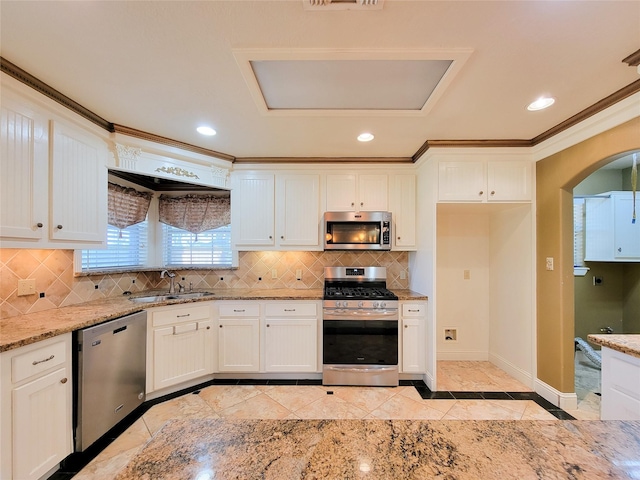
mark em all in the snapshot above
pixel 59 227
pixel 282 237
pixel 220 326
pixel 398 238
pixel 405 326
pixel 481 192
pixel 64 380
pixel 493 192
pixel 208 328
pixel 270 237
pixel 353 204
pixel 619 249
pixel 39 225
pixel 362 204
pixel 268 325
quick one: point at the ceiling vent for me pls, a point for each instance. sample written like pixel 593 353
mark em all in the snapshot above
pixel 342 4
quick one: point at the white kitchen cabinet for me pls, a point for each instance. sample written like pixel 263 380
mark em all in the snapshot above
pixel 252 210
pixel 412 337
pixel 480 181
pixel 620 386
pixel 36 408
pixel 298 210
pixel 291 337
pixel 238 336
pixel 180 344
pixel 610 234
pixel 275 212
pixel 53 180
pixel 357 192
pixel 403 209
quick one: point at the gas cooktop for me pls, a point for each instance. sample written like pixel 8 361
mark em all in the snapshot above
pixel 356 283
pixel 358 293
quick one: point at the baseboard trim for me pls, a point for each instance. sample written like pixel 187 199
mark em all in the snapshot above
pixel 566 401
pixel 469 356
pixel 518 373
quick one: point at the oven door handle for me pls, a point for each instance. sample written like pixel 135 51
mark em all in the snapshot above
pixel 361 315
pixel 359 369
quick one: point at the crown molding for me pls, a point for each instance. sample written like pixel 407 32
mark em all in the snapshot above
pixel 632 60
pixel 308 160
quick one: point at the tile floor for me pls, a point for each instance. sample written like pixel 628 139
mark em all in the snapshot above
pixel 323 402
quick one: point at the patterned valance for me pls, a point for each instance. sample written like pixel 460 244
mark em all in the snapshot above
pixel 195 213
pixel 127 206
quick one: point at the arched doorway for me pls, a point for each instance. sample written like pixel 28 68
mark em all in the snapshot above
pixel 556 176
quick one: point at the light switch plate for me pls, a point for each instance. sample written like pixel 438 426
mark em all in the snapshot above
pixel 26 287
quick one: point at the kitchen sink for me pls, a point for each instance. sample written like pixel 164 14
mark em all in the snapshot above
pixel 170 296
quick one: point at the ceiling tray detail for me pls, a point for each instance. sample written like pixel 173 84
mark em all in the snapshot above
pixel 319 82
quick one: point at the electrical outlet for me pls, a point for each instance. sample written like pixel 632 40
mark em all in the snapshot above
pixel 274 273
pixel 549 263
pixel 597 281
pixel 26 287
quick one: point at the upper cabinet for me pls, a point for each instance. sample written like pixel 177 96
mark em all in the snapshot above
pixel 53 180
pixel 357 192
pixel 275 211
pixel 610 233
pixel 403 208
pixel 480 181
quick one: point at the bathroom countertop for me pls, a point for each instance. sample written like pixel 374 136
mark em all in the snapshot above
pixel 629 344
pixel 33 327
pixel 386 449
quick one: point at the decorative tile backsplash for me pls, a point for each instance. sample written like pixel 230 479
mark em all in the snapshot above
pixel 56 285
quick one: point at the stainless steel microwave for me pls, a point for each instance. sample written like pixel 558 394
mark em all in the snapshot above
pixel 357 231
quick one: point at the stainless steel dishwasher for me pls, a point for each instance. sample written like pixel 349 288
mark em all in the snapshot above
pixel 109 375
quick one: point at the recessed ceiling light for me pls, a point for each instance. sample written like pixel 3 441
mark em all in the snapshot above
pixel 206 131
pixel 541 103
pixel 365 137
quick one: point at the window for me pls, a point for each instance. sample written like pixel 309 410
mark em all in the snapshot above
pixel 125 248
pixel 209 248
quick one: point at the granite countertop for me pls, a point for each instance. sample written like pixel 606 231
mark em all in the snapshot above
pixel 629 344
pixel 26 329
pixel 386 449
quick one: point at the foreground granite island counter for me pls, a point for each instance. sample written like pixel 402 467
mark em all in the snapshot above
pixel 206 449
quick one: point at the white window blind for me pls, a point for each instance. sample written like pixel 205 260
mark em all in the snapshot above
pixel 211 247
pixel 578 232
pixel 125 248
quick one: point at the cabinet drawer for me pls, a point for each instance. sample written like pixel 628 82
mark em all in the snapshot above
pixel 37 361
pixel 413 310
pixel 291 310
pixel 181 315
pixel 240 310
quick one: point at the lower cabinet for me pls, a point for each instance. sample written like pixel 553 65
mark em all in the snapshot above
pixel 238 337
pixel 412 337
pixel 291 337
pixel 180 341
pixel 36 408
pixel 620 386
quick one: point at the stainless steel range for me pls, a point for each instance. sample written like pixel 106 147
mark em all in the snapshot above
pixel 359 328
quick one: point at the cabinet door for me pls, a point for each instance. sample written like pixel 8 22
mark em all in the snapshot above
pixel 78 187
pixel 291 345
pixel 182 352
pixel 23 172
pixel 341 193
pixel 298 207
pixel 373 193
pixel 461 182
pixel 412 352
pixel 626 234
pixel 252 207
pixel 238 345
pixel 508 181
pixel 41 424
pixel 404 212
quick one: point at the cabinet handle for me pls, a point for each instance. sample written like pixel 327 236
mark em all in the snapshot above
pixel 493 192
pixel 64 380
pixel 289 309
pixel 409 310
pixel 238 311
pixel 39 225
pixel 59 227
pixel 185 315
pixel 481 192
pixel 36 362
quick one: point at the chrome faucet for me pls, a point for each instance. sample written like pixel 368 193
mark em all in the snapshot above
pixel 172 278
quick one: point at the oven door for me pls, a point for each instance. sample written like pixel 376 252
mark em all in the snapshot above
pixel 360 351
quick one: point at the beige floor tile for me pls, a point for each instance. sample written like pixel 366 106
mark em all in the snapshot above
pixel 482 410
pixel 441 405
pixel 330 407
pixel 584 414
pixel 220 397
pixel 400 407
pixel 468 376
pixel 294 398
pixel 186 406
pixel 536 412
pixel 366 398
pixel 409 392
pixel 257 407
